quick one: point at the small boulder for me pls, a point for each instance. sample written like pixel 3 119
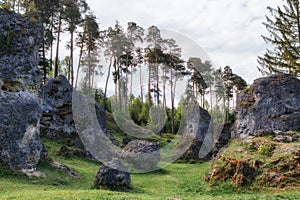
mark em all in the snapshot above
pixel 108 177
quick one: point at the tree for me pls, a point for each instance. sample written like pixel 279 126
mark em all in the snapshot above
pixel 135 35
pixel 284 36
pixel 232 84
pixel 90 48
pixel 200 76
pixel 73 17
pixel 153 49
pixel 174 65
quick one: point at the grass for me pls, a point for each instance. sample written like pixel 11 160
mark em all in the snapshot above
pixel 177 181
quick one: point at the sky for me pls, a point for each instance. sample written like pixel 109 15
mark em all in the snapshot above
pixel 228 31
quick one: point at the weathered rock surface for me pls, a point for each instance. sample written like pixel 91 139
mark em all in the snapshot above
pixel 20 108
pixel 111 178
pixel 142 155
pixel 270 104
pixel 19 47
pixel 20 146
pixel 57 120
pixel 196 135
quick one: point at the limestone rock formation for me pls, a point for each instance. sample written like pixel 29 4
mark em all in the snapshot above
pixel 108 177
pixel 197 136
pixel 142 155
pixel 20 40
pixel 270 104
pixel 20 108
pixel 57 120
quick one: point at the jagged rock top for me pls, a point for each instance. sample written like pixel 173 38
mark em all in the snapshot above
pixel 20 40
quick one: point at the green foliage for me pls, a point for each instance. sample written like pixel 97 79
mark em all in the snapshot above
pixel 266 149
pixel 6 6
pixel 284 39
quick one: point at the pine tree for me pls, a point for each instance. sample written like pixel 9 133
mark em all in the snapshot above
pixel 284 35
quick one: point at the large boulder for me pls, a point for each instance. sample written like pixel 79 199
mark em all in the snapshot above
pixel 109 177
pixel 270 104
pixel 142 155
pixel 20 108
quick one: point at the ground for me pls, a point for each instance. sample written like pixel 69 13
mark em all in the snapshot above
pixel 177 181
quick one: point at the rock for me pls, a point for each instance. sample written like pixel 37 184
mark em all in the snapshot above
pixel 285 137
pixel 142 155
pixel 20 145
pixel 64 168
pixel 126 140
pixel 57 120
pixel 271 103
pixel 196 136
pixel 20 108
pixel 223 139
pixel 67 152
pixel 20 40
pixel 108 177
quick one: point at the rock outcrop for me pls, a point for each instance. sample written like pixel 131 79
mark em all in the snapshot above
pixel 20 108
pixel 108 177
pixel 19 49
pixel 142 155
pixel 270 104
pixel 57 120
pixel 196 135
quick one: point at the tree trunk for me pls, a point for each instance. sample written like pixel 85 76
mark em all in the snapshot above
pixel 72 58
pixel 298 20
pixel 57 48
pixel 149 87
pixel 141 84
pixel 107 79
pixel 89 68
pixel 79 60
pixel 172 105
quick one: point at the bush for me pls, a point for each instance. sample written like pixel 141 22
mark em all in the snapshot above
pixel 266 149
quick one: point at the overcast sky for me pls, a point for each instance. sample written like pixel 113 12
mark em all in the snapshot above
pixel 228 30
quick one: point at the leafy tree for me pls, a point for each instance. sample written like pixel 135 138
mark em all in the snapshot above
pixel 284 36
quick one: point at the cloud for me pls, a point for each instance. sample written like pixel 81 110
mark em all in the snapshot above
pixel 228 30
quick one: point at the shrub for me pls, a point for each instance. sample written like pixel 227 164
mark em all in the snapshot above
pixel 266 149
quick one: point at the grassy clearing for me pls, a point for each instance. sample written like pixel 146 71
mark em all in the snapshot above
pixel 178 181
